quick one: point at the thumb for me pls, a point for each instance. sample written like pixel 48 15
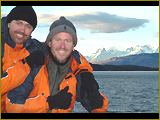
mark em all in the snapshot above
pixel 65 89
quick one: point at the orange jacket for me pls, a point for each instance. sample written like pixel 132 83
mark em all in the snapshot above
pixel 36 101
pixel 13 71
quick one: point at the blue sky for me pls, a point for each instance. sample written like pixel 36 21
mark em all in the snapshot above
pixel 97 27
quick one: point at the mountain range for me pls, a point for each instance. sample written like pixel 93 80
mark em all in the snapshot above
pixel 102 54
pixel 145 56
pixel 97 67
pixel 143 59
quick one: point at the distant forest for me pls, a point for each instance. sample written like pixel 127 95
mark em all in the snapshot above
pixel 97 67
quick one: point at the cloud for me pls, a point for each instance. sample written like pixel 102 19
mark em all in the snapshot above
pixel 45 18
pixel 101 22
pixel 3 14
pixel 97 22
pixel 156 34
pixel 82 37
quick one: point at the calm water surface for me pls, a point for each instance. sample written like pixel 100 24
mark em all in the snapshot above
pixel 128 91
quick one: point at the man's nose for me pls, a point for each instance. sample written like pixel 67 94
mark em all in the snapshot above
pixel 22 29
pixel 62 44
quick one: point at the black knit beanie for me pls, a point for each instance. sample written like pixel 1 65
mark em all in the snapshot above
pixel 25 13
pixel 62 25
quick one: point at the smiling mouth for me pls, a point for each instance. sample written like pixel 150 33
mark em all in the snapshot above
pixel 20 36
pixel 61 51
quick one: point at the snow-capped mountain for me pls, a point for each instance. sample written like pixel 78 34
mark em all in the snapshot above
pixel 142 49
pixel 102 54
pixel 143 59
pixel 156 51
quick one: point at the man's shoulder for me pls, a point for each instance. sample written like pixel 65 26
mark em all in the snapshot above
pixel 37 45
pixel 35 41
pixel 77 56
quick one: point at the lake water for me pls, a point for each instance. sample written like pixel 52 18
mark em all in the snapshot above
pixel 128 91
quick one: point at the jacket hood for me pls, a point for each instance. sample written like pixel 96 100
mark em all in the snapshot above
pixel 4 25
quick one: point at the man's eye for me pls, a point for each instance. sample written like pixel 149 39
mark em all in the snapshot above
pixel 29 27
pixel 18 23
pixel 68 41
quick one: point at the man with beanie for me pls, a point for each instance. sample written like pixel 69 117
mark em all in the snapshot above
pixel 21 56
pixel 70 78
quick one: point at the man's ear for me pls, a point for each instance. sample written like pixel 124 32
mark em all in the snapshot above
pixel 9 24
pixel 49 44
